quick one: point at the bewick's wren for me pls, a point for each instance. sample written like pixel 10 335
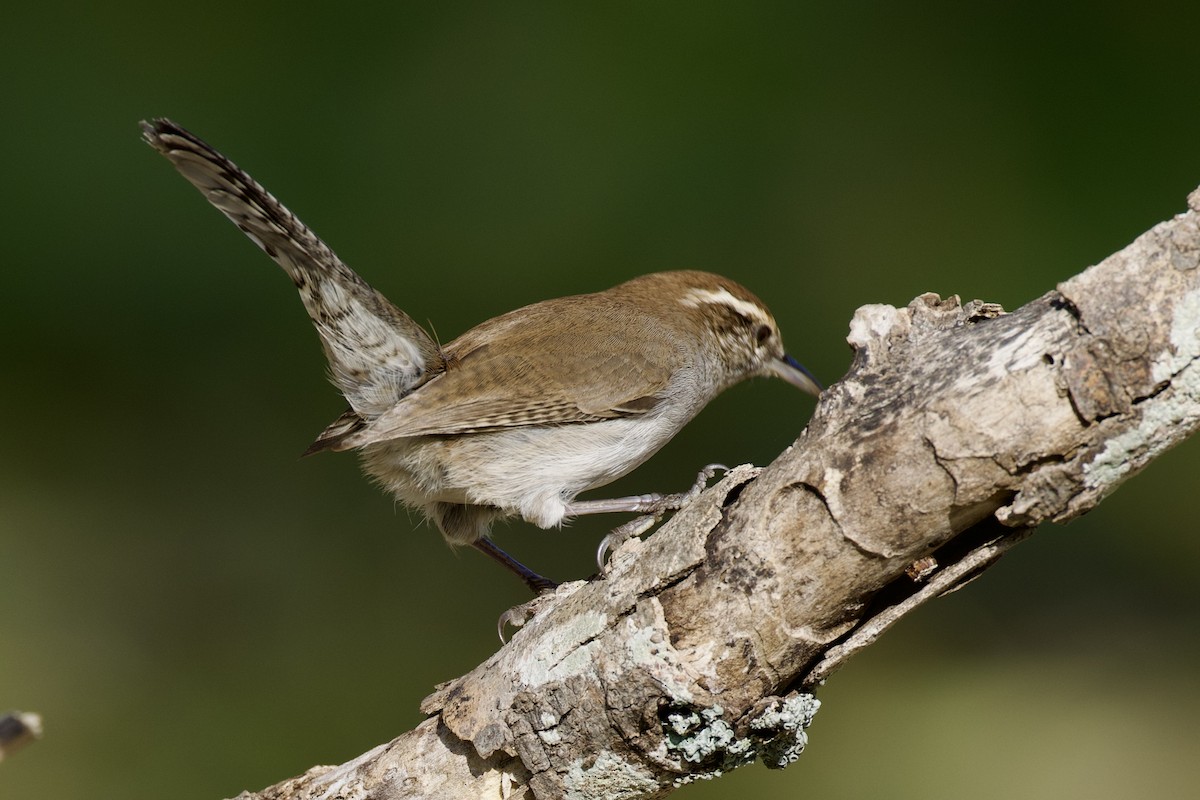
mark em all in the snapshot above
pixel 524 412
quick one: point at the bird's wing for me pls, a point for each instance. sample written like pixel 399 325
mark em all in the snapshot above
pixel 524 369
pixel 377 353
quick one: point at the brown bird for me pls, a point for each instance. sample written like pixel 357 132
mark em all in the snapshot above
pixel 524 412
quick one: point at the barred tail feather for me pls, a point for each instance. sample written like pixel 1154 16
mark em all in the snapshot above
pixel 377 353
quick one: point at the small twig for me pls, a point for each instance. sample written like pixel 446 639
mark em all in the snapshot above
pixel 944 581
pixel 17 729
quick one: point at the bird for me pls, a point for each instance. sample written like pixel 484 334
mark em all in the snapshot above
pixel 524 412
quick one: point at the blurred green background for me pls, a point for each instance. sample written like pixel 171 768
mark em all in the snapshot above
pixel 195 610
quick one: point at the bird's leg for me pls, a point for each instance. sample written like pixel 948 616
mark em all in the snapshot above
pixel 538 584
pixel 657 504
pixel 651 507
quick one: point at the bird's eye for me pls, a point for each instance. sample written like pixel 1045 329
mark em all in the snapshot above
pixel 763 333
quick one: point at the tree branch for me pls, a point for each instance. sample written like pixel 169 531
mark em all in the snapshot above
pixel 17 729
pixel 957 430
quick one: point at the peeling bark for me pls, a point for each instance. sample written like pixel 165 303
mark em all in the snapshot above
pixel 957 430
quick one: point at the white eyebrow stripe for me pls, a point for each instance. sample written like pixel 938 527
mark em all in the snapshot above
pixel 699 297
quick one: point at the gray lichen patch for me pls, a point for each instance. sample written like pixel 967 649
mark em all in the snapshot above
pixel 708 745
pixel 1185 338
pixel 701 736
pixel 609 777
pixel 568 651
pixel 1176 409
pixel 706 742
pixel 1124 454
pixel 781 727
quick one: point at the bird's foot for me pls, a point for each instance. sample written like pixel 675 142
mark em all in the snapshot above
pixel 622 534
pixel 518 615
pixel 651 507
pixel 686 498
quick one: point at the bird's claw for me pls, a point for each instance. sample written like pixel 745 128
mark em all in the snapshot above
pixel 518 615
pixel 640 525
pixel 622 534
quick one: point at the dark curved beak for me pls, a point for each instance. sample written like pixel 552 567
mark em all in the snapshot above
pixel 795 373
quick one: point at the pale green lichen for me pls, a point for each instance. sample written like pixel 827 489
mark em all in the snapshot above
pixel 1185 337
pixel 703 737
pixel 653 655
pixel 1131 450
pixel 783 726
pixel 698 736
pixel 561 654
pixel 1179 364
pixel 607 777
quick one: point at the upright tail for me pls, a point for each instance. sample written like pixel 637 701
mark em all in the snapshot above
pixel 377 353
